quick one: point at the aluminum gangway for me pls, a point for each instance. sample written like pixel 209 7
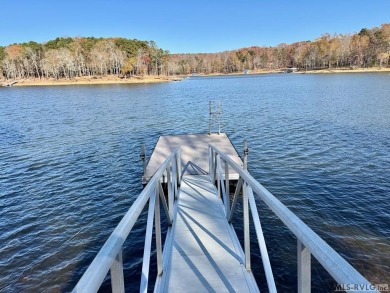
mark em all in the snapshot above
pixel 201 251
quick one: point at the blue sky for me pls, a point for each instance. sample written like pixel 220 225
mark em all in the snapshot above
pixel 189 26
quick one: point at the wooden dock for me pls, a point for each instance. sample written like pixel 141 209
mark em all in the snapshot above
pixel 205 254
pixel 194 153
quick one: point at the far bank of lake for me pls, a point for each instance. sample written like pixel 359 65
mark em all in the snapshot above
pixel 89 80
pixel 111 79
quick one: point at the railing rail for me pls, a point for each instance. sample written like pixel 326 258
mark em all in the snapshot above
pixel 109 258
pixel 308 242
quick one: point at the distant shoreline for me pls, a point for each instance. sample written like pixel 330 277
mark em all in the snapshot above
pixel 326 71
pixel 89 81
pixel 340 70
pixel 157 79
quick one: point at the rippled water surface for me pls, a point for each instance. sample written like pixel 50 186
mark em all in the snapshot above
pixel 70 169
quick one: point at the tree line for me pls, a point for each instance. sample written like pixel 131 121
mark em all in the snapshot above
pixel 75 57
pixel 368 48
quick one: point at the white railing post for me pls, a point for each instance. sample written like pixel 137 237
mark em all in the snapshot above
pixel 117 281
pixel 178 165
pixel 261 240
pixel 304 268
pixel 218 169
pixel 174 178
pixel 227 203
pixel 246 213
pixel 211 171
pixel 148 244
pixel 221 186
pixel 170 197
pixel 157 224
pixel 215 166
pixel 210 162
pixel 247 247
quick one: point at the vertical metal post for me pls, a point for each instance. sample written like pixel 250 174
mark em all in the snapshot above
pixel 304 268
pixel 215 166
pixel 212 165
pixel 176 162
pixel 221 185
pixel 245 155
pixel 147 245
pixel 227 203
pixel 218 162
pixel 219 117
pixel 246 213
pixel 174 178
pixel 210 117
pixel 170 196
pixel 210 161
pixel 143 158
pixel 178 158
pixel 117 281
pixel 260 237
pixel 246 227
pixel 157 224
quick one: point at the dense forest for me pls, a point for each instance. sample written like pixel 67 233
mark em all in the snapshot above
pixel 368 48
pixel 76 57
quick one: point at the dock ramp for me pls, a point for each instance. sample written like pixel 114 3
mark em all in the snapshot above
pixel 205 254
pixel 201 252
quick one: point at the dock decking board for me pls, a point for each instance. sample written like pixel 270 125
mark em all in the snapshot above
pixel 194 152
pixel 205 255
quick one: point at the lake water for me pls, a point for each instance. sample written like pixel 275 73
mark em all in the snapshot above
pixel 70 168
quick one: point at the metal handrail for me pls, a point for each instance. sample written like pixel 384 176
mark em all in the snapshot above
pixel 308 241
pixel 110 255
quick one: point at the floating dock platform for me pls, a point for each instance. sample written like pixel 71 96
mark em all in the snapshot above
pixel 194 153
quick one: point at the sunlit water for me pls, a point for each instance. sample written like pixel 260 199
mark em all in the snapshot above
pixel 70 168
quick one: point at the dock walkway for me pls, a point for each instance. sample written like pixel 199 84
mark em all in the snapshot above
pixel 201 251
pixel 205 255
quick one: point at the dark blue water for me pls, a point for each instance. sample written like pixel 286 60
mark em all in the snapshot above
pixel 70 169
